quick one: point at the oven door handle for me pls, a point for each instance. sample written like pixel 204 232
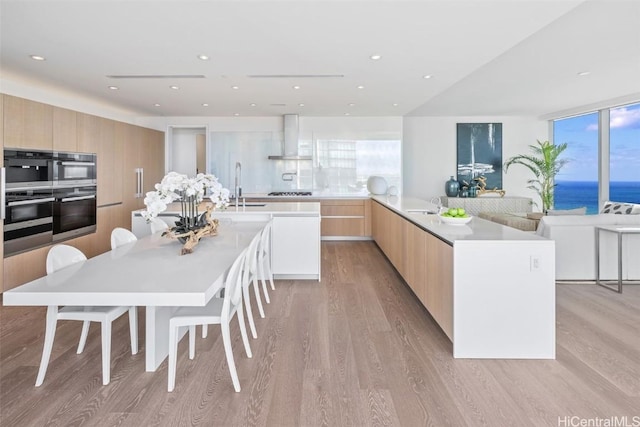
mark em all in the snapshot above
pixel 30 202
pixel 77 163
pixel 75 199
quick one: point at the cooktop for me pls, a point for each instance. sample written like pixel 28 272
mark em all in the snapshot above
pixel 290 193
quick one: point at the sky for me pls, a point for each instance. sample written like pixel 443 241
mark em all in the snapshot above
pixel 581 135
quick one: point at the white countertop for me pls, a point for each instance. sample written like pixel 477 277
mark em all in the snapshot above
pixel 275 208
pixel 477 229
pixel 314 195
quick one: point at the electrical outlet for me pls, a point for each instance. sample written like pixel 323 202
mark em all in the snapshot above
pixel 534 263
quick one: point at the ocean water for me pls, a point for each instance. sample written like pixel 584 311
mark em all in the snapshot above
pixel 575 194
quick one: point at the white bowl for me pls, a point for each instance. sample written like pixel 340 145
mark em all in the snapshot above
pixel 454 221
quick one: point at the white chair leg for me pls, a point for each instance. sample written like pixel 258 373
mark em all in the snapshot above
pixel 192 341
pixel 270 276
pixel 243 331
pixel 226 339
pixel 49 335
pixel 83 336
pixel 264 283
pixel 106 352
pixel 173 354
pixel 133 329
pixel 247 304
pixel 256 292
pixel 205 330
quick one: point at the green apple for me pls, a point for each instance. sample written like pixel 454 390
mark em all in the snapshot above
pixel 462 212
pixel 453 211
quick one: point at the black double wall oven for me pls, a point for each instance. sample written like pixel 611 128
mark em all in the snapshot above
pixel 48 197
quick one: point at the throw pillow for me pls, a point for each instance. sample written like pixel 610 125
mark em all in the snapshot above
pixel 620 208
pixel 576 211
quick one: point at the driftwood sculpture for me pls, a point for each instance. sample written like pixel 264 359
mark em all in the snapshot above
pixel 206 226
pixel 482 187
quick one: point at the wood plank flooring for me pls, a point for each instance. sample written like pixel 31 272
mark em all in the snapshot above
pixel 356 349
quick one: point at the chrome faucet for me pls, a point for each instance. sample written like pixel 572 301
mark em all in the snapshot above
pixel 238 183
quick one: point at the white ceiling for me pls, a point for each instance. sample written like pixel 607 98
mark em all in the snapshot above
pixel 486 57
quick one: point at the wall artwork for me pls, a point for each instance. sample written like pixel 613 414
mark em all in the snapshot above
pixel 479 148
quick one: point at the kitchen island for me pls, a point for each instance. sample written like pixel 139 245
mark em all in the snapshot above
pixel 491 288
pixel 295 243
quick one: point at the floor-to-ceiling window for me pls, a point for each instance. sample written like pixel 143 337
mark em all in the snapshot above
pixel 624 157
pixel 577 183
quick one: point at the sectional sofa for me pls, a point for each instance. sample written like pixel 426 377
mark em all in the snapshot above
pixel 575 244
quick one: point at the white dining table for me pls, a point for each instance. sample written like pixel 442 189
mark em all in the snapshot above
pixel 149 272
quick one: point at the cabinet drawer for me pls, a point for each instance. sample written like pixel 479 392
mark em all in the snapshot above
pixel 342 227
pixel 342 210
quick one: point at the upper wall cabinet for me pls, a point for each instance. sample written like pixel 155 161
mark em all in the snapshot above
pixel 88 132
pixel 27 124
pixel 65 133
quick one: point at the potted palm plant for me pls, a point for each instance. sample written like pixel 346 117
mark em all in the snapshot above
pixel 545 163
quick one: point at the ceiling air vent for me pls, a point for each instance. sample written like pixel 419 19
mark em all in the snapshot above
pixel 294 76
pixel 157 76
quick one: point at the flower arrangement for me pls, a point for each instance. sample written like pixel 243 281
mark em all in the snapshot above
pixel 190 192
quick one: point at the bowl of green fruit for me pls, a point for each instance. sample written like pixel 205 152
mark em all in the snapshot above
pixel 454 216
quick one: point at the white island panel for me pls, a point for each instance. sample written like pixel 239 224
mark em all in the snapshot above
pixel 504 300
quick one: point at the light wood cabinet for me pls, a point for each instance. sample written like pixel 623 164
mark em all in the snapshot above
pixel 143 149
pixel 120 148
pixel 414 264
pixel 424 261
pixel 65 130
pixel 109 163
pixel 27 124
pixel 152 158
pixel 24 267
pixel 387 232
pixel 438 297
pixel 345 217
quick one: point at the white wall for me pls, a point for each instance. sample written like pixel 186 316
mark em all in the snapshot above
pixel 429 152
pixel 183 150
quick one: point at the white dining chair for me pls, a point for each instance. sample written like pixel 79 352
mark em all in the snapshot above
pixel 59 257
pixel 249 278
pixel 158 225
pixel 264 260
pixel 219 311
pixel 121 236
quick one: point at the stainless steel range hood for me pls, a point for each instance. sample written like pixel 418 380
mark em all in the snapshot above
pixel 290 144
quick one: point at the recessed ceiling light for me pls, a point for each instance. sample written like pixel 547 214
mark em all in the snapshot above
pixel 205 105
pixel 427 76
pixel 347 114
pixel 174 87
pixel 113 87
pixel 38 58
pixel 301 105
pixel 395 105
pixel 156 105
pixel 236 114
pixel 203 57
pixel 360 87
pixel 252 104
pixel 352 105
pixel 296 87
pixel 584 73
pixel 235 87
pixel 375 57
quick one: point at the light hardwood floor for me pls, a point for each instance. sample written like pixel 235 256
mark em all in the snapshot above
pixel 356 349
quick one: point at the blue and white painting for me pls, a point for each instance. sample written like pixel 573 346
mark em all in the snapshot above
pixel 480 153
